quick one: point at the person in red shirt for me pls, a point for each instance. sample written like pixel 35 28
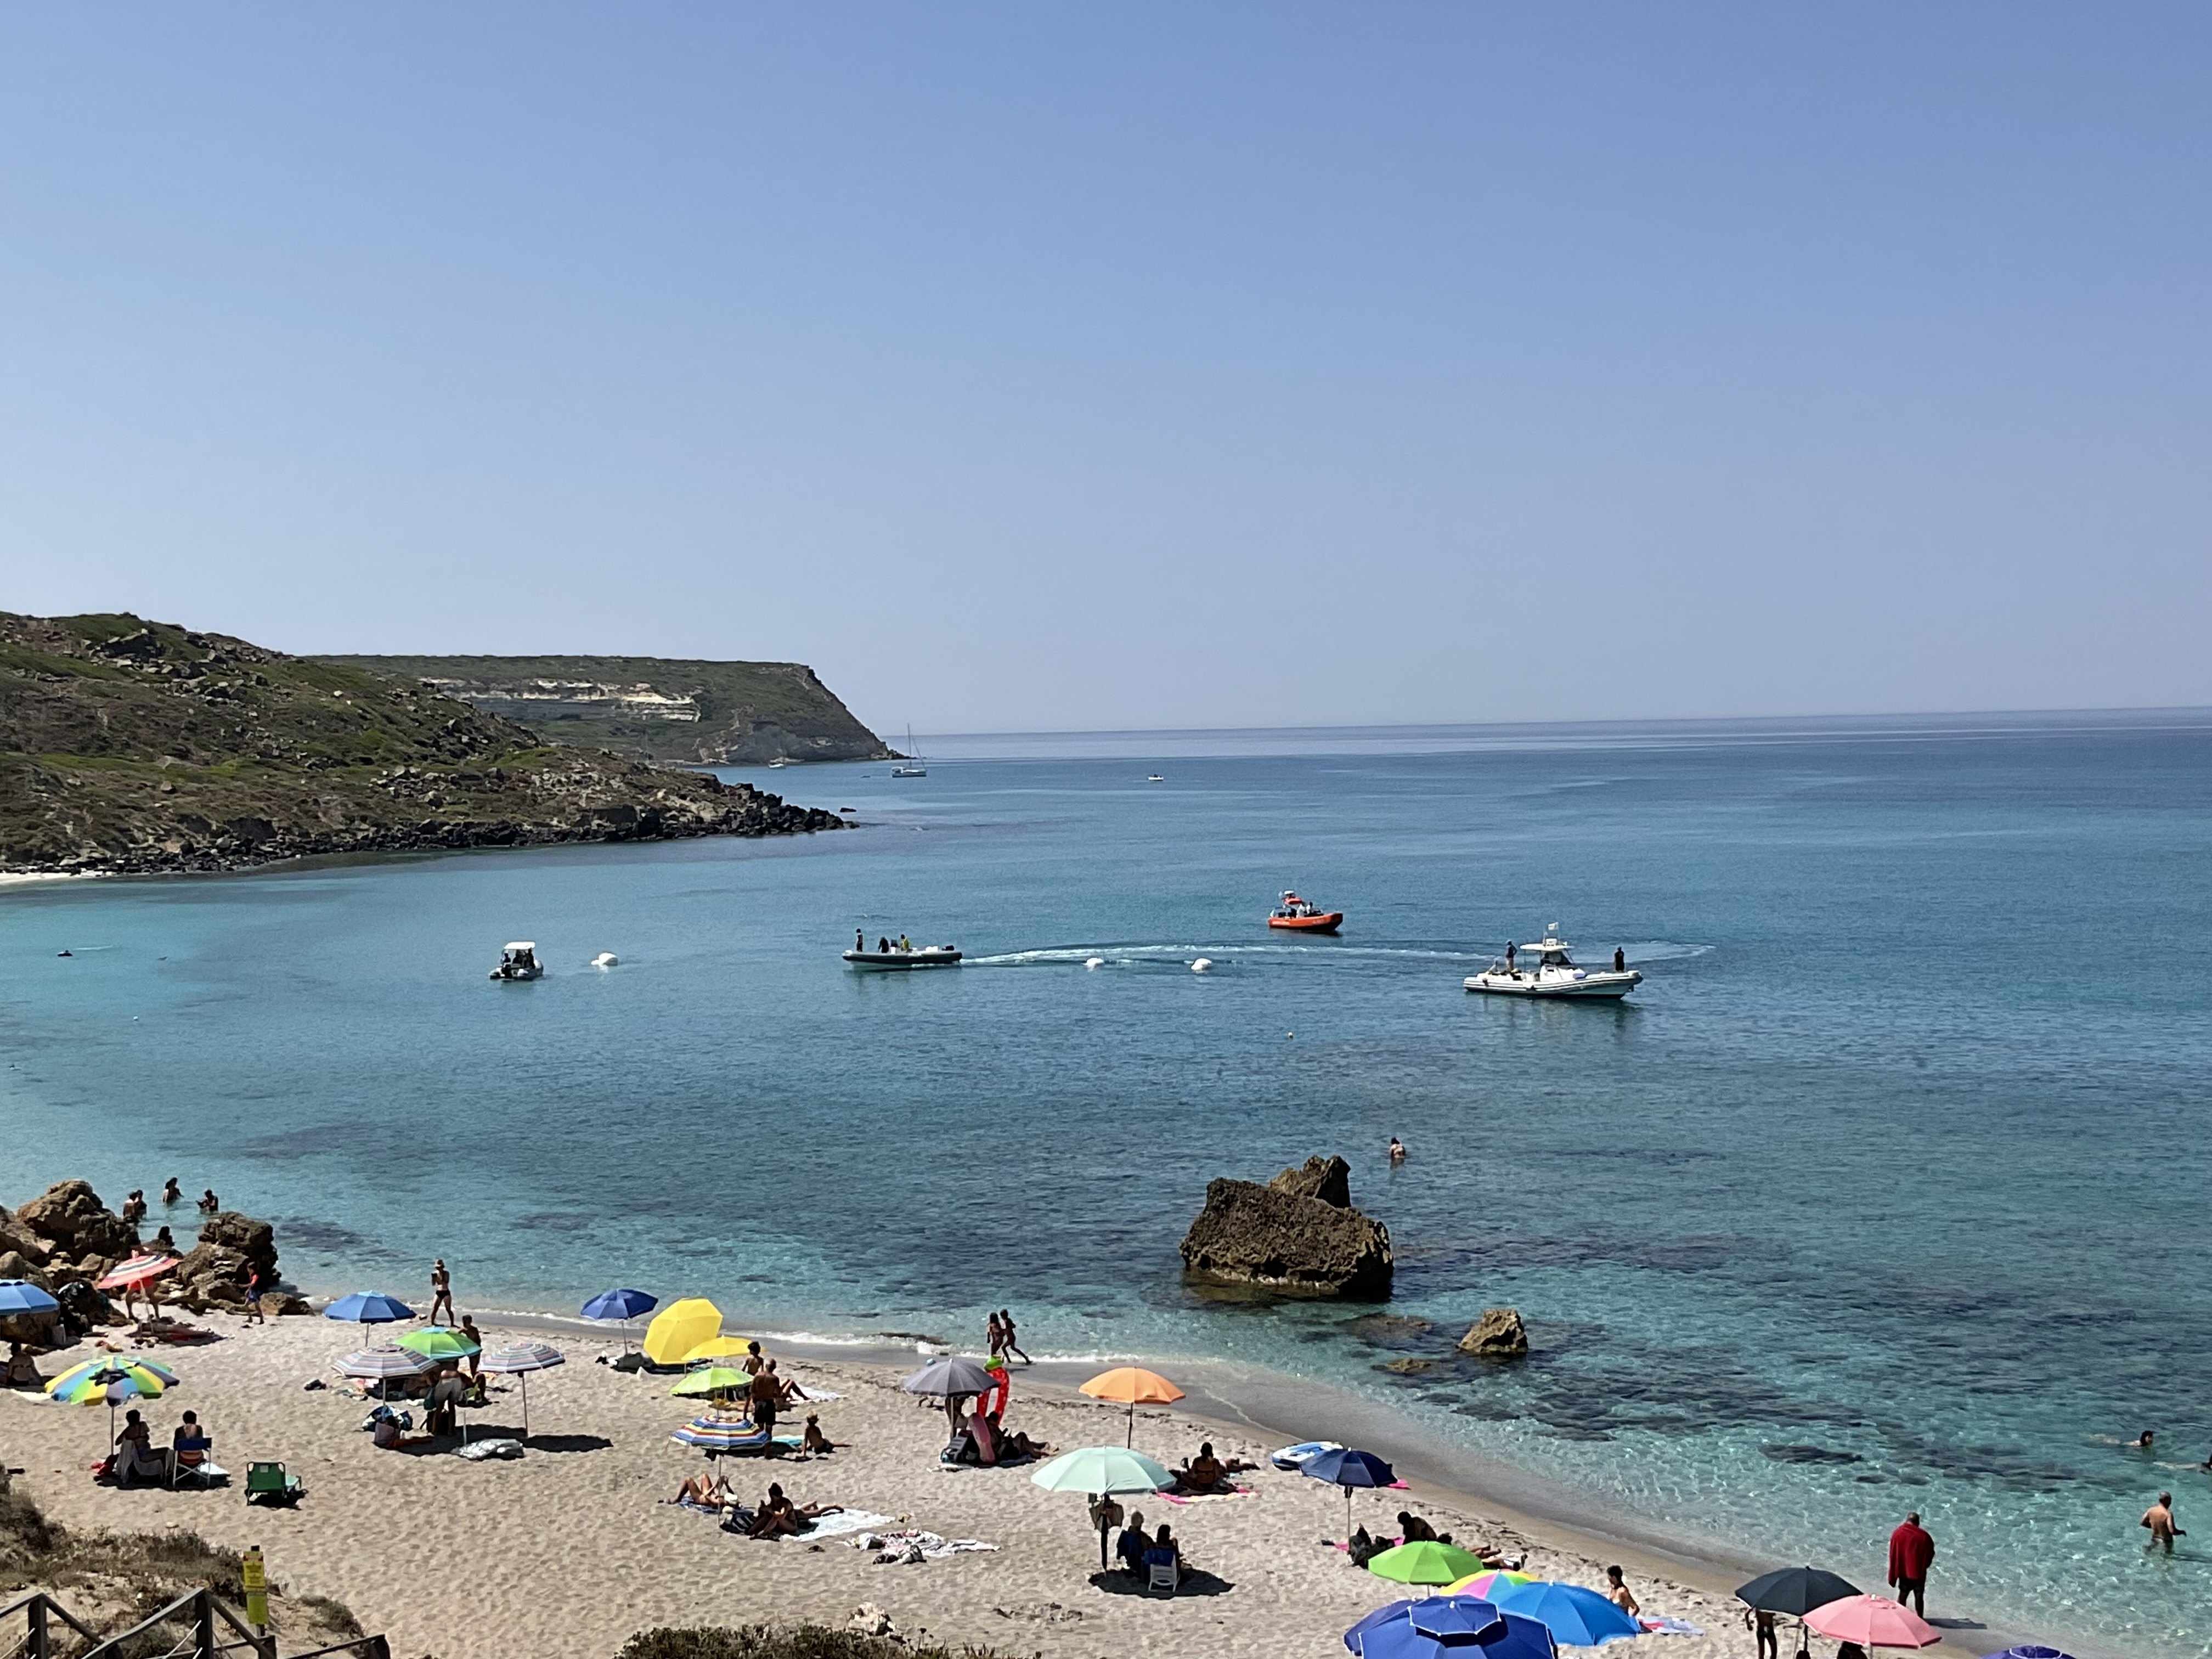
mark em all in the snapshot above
pixel 1911 1550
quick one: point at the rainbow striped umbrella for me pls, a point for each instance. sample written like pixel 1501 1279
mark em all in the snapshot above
pixel 111 1381
pixel 1482 1583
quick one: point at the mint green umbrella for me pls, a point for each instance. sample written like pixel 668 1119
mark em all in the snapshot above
pixel 439 1342
pixel 1103 1469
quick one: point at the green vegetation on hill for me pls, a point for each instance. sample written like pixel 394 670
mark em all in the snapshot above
pixel 653 708
pixel 129 745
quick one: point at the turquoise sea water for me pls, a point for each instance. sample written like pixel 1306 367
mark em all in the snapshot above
pixel 1886 1192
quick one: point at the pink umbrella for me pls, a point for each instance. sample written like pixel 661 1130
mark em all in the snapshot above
pixel 1873 1621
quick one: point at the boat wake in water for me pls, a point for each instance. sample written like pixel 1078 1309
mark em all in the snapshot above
pixel 1257 954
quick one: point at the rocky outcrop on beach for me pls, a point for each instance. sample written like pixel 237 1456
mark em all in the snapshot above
pixel 66 1236
pixel 1498 1335
pixel 1296 1236
pixel 135 747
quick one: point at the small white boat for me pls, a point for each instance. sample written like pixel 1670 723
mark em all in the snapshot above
pixel 912 766
pixel 1554 975
pixel 1155 778
pixel 606 959
pixel 519 960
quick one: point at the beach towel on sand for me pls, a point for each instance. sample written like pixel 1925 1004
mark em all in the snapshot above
pixel 913 1547
pixel 1670 1628
pixel 1206 1497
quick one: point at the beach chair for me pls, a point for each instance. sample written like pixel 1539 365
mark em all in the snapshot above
pixel 1160 1576
pixel 269 1480
pixel 189 1461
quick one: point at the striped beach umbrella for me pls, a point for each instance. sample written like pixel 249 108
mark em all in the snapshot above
pixel 720 1434
pixel 382 1364
pixel 521 1360
pixel 138 1270
pixel 111 1381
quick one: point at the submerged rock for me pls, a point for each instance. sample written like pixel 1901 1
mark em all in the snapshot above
pixel 1296 1236
pixel 1498 1335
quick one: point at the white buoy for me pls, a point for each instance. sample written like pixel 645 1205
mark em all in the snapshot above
pixel 1095 962
pixel 1202 964
pixel 606 959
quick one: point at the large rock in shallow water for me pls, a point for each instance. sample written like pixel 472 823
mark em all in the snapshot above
pixel 69 1216
pixel 1498 1335
pixel 1283 1238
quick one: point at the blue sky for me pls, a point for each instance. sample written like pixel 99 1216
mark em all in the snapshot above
pixel 1045 367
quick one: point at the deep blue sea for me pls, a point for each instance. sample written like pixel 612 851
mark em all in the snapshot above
pixel 1888 1189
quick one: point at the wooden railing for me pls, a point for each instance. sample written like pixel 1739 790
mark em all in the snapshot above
pixel 216 1630
pixel 39 1612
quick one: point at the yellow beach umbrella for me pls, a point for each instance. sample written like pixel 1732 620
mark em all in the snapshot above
pixel 717 1347
pixel 679 1327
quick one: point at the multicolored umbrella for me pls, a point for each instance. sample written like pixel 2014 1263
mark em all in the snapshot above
pixel 441 1343
pixel 521 1360
pixel 1577 1617
pixel 1873 1621
pixel 130 1275
pixel 714 1379
pixel 111 1381
pixel 382 1364
pixel 1132 1386
pixel 1490 1578
pixel 1425 1561
pixel 679 1327
pixel 720 1434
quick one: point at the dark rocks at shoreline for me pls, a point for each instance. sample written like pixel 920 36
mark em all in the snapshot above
pixel 1296 1236
pixel 1497 1334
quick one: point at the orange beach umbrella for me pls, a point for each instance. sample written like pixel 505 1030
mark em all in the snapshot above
pixel 1132 1386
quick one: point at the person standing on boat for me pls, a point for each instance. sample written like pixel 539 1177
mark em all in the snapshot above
pixel 1509 968
pixel 1620 960
pixel 859 941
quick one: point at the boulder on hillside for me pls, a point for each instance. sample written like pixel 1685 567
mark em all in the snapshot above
pixel 1328 1179
pixel 1286 1238
pixel 1498 1335
pixel 69 1216
pixel 21 1241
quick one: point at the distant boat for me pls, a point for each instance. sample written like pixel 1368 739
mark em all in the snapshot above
pixel 1554 975
pixel 913 767
pixel 778 762
pixel 519 960
pixel 925 956
pixel 1303 916
pixel 1155 778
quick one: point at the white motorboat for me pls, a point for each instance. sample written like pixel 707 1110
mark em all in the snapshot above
pixel 899 955
pixel 1554 974
pixel 519 960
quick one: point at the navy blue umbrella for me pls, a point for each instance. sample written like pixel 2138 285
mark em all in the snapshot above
pixel 1447 1627
pixel 2031 1653
pixel 21 1295
pixel 369 1308
pixel 1347 1468
pixel 622 1305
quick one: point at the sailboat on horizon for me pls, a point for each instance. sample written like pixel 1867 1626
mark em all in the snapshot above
pixel 912 766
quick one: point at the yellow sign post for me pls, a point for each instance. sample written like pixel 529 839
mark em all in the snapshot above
pixel 257 1588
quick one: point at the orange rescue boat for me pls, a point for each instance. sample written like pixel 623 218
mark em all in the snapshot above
pixel 1300 916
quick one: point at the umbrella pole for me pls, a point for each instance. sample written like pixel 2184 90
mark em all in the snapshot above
pixel 525 1404
pixel 1130 1442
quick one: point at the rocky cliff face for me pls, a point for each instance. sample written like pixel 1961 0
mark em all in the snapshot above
pixel 661 709
pixel 135 746
pixel 1296 1236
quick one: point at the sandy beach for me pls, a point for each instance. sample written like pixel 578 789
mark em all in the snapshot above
pixel 569 1550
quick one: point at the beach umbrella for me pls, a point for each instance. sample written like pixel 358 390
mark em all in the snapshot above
pixel 1132 1386
pixel 1482 1583
pixel 718 1434
pixel 1447 1627
pixel 2031 1652
pixel 439 1342
pixel 719 1347
pixel 111 1381
pixel 1795 1590
pixel 521 1360
pixel 369 1307
pixel 679 1327
pixel 714 1379
pixel 1103 1471
pixel 619 1307
pixel 950 1374
pixel 21 1295
pixel 130 1275
pixel 1347 1468
pixel 1425 1561
pixel 1577 1617
pixel 382 1364
pixel 1873 1621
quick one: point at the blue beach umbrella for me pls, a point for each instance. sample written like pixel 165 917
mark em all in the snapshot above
pixel 369 1308
pixel 1347 1468
pixel 1447 1627
pixel 21 1295
pixel 620 1307
pixel 2031 1653
pixel 1578 1617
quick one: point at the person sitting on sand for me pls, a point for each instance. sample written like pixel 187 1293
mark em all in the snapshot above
pixel 209 1204
pixel 1363 1547
pixel 778 1516
pixel 1617 1592
pixel 1014 1444
pixel 789 1392
pixel 134 1452
pixel 1129 1548
pixel 1203 1474
pixel 813 1441
pixel 704 1491
pixel 1412 1529
pixel 22 1368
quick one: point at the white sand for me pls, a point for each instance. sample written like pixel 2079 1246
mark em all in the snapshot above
pixel 566 1551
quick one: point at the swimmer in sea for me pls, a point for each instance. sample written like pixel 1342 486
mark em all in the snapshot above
pixel 1397 1150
